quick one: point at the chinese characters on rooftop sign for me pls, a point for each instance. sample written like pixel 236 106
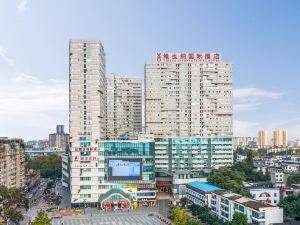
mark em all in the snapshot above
pixel 187 57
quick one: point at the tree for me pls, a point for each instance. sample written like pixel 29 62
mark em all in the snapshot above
pixel 194 222
pixel 291 206
pixel 42 219
pixel 12 199
pixel 293 179
pixel 180 217
pixel 239 219
pixel 227 178
pixel 50 166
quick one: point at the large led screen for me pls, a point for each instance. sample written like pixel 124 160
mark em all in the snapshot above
pixel 124 169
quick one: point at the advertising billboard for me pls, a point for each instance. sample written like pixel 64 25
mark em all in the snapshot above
pixel 124 169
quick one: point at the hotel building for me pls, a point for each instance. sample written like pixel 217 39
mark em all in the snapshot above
pixel 188 95
pixel 12 163
pixel 124 107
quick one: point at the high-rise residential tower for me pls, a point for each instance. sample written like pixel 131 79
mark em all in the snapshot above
pixel 60 139
pixel 263 140
pixel 12 163
pixel 188 95
pixel 124 107
pixel 87 118
pixel 280 138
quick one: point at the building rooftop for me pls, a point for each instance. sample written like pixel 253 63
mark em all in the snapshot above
pixel 203 186
pixel 251 203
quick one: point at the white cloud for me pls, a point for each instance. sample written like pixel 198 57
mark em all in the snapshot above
pixel 244 128
pixel 3 55
pixel 246 107
pixel 22 6
pixel 30 108
pixel 251 99
pixel 255 93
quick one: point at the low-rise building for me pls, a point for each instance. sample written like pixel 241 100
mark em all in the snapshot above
pixel 224 204
pixel 199 193
pixel 294 189
pixel 278 178
pixel 12 163
pixel 266 195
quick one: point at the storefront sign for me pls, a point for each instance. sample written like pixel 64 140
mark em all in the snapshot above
pixel 88 149
pixel 86 158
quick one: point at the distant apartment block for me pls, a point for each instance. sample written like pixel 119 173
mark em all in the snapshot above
pixel 280 138
pixel 188 95
pixel 244 142
pixel 12 162
pixel 60 139
pixel 124 107
pixel 263 140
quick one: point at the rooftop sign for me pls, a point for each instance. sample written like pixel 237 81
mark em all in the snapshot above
pixel 187 57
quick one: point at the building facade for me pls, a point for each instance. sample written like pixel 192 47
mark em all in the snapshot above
pixel 199 193
pixel 280 138
pixel 87 118
pixel 188 95
pixel 243 142
pixel 266 195
pixel 190 159
pixel 263 139
pixel 12 163
pixel 125 174
pixel 224 204
pixel 60 139
pixel 124 107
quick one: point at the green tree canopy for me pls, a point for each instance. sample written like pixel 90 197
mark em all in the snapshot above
pixel 180 217
pixel 42 219
pixel 227 178
pixel 12 199
pixel 291 207
pixel 50 166
pixel 239 219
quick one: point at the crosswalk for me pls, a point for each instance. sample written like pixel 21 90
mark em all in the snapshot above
pixel 110 220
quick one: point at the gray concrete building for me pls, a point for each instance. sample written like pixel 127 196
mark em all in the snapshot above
pixel 59 140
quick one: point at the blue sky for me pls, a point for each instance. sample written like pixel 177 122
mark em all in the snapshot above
pixel 261 38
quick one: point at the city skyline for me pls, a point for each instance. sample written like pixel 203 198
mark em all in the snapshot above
pixel 34 67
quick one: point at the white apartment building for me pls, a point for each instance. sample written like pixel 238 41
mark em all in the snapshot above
pixel 124 107
pixel 224 204
pixel 188 95
pixel 266 195
pixel 263 139
pixel 87 119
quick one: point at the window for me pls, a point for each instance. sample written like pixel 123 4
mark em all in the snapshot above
pixel 84 187
pixel 85 178
pixel 85 195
